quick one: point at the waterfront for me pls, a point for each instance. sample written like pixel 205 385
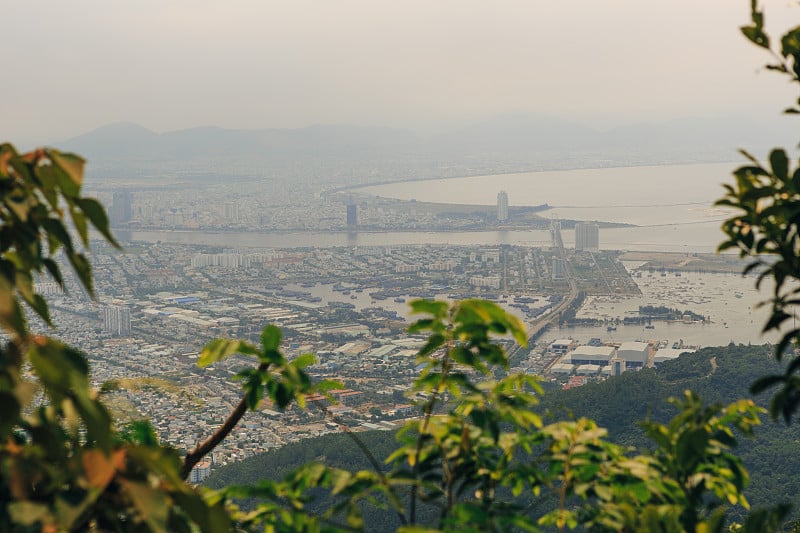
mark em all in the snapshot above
pixel 696 238
pixel 670 205
pixel 730 301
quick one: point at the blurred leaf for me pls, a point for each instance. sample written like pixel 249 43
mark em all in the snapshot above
pixel 80 225
pixel 150 503
pixel 98 468
pixel 764 383
pixel 98 217
pixel 27 513
pixel 756 36
pixel 431 307
pixel 780 164
pixel 83 269
pixel 208 516
pixel 305 360
pixel 71 164
pixel 271 337
pixel 219 349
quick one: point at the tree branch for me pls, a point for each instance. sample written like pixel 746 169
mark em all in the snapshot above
pixel 205 447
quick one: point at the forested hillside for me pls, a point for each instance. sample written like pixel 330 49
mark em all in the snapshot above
pixel 718 375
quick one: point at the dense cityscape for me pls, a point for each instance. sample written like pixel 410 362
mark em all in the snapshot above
pixel 158 303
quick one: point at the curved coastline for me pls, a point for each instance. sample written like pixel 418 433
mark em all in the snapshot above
pixel 354 187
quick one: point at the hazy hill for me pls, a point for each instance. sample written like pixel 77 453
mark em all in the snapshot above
pixel 512 132
pixel 513 142
pixel 125 139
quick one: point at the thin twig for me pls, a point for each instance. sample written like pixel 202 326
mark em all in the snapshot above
pixel 373 461
pixel 428 412
pixel 205 447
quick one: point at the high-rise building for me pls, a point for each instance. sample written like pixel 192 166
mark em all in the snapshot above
pixel 121 210
pixel 502 206
pixel 352 214
pixel 587 236
pixel 117 320
pixel 559 268
pixel 555 234
pixel 232 212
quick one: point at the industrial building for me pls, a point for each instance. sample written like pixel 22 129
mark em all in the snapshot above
pixel 667 354
pixel 591 355
pixel 561 346
pixel 635 354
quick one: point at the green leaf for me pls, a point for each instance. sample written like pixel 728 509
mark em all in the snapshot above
pixel 139 432
pixel 98 217
pixel 10 408
pixel 54 270
pixel 219 349
pixel 83 269
pixel 72 166
pixel 55 229
pixel 271 337
pixel 691 446
pixel 790 43
pixel 431 307
pixel 79 221
pixel 27 513
pixel 207 516
pixel 764 383
pixel 254 391
pixel 305 360
pixel 11 316
pixel 150 503
pixel 756 36
pixel 780 164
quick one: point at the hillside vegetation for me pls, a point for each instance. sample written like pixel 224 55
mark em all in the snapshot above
pixel 617 404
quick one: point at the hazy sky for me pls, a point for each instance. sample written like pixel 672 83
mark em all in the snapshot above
pixel 172 64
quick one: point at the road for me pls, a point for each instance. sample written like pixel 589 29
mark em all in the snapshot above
pixel 541 322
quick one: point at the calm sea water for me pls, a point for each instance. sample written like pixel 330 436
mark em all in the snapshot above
pixel 651 195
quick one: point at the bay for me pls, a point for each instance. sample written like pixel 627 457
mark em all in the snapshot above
pixel 670 205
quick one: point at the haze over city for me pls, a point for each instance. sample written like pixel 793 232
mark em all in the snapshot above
pixel 427 66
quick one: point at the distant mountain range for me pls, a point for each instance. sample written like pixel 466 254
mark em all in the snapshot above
pixel 525 139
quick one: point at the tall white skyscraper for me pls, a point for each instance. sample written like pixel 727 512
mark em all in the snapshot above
pixel 117 320
pixel 587 236
pixel 502 206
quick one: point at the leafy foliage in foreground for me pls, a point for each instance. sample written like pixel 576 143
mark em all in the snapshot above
pixel 616 404
pixel 63 464
pixel 480 458
pixel 766 226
